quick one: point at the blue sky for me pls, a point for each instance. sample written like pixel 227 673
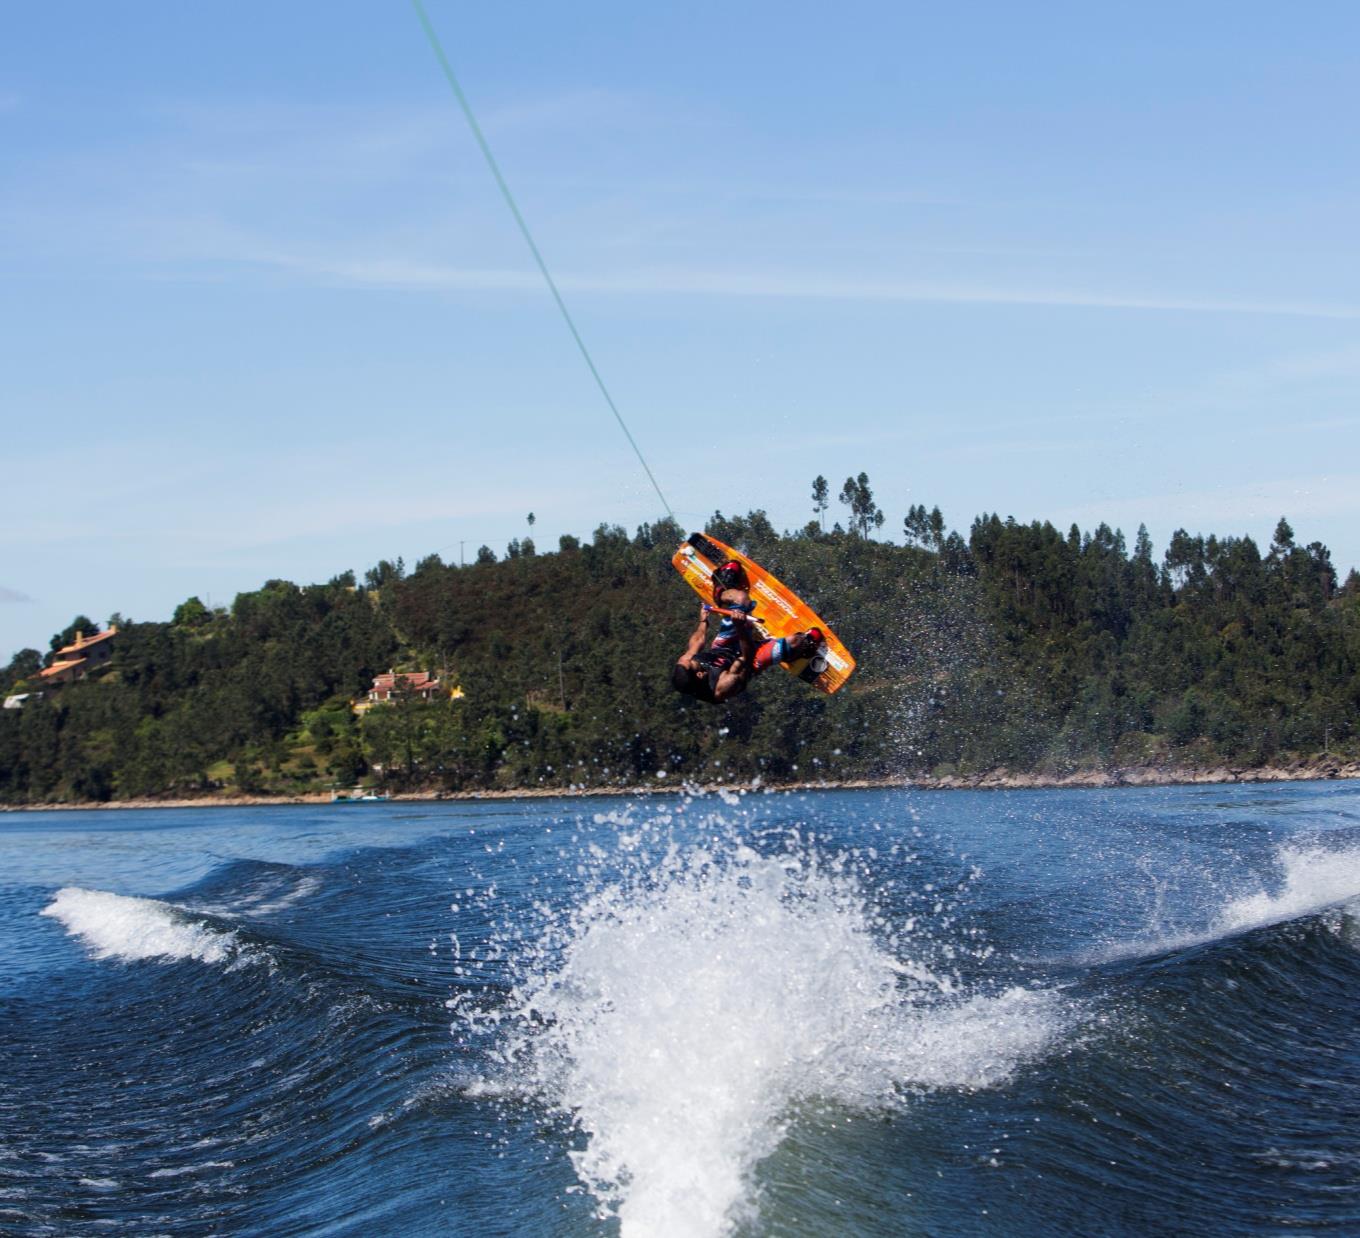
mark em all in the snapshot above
pixel 265 315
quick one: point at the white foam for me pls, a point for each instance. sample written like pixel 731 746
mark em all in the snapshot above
pixel 264 899
pixel 183 1170
pixel 305 888
pixel 1314 879
pixel 977 1042
pixel 117 926
pixel 680 1019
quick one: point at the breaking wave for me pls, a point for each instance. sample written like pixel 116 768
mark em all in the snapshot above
pixel 681 1014
pixel 1309 880
pixel 116 926
pixel 1312 879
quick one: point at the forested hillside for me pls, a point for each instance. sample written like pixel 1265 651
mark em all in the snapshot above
pixel 1020 646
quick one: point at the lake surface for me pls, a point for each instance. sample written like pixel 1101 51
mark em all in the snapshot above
pixel 842 1013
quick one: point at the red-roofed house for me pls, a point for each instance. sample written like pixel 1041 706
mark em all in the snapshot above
pixel 80 657
pixel 421 683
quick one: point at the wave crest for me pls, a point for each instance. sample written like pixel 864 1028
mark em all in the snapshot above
pixel 122 927
pixel 680 1015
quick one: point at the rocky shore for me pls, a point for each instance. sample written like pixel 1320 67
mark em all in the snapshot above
pixel 1300 770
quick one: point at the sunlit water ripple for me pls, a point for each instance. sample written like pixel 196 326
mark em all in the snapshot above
pixel 1096 1012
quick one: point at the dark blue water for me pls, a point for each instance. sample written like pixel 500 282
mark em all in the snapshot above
pixel 1120 1012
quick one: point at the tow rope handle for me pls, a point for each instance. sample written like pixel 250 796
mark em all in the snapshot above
pixel 728 614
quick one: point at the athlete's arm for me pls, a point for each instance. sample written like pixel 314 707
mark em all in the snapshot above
pixel 748 644
pixel 697 638
pixel 731 682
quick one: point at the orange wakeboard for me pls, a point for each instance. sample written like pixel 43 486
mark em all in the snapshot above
pixel 779 611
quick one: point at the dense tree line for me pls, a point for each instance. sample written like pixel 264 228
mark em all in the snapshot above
pixel 1018 646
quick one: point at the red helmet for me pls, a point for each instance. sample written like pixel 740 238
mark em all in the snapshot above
pixel 731 575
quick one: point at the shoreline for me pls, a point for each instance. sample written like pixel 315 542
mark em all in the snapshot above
pixel 1318 769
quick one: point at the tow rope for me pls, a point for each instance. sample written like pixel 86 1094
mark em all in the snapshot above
pixel 529 240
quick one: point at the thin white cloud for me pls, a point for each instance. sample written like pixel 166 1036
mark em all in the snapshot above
pixel 13 595
pixel 397 273
pixel 1253 503
pixel 574 110
pixel 223 172
pixel 1289 370
pixel 1310 366
pixel 297 501
pixel 1259 384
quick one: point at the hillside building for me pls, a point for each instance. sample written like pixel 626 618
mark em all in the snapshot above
pixel 80 657
pixel 421 684
pixel 418 683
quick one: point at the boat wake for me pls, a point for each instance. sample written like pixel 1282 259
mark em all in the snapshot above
pixel 1312 880
pixel 682 1012
pixel 1309 880
pixel 116 926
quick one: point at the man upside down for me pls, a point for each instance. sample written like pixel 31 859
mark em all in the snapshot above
pixel 726 666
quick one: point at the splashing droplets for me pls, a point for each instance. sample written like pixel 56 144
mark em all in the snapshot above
pixel 696 995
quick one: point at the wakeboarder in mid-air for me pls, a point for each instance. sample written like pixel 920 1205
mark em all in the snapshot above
pixel 789 631
pixel 727 665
